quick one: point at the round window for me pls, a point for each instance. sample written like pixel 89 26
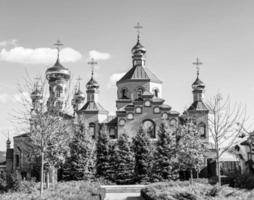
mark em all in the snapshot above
pixel 130 116
pixel 156 110
pixel 164 116
pixel 147 103
pixel 138 110
pixel 121 122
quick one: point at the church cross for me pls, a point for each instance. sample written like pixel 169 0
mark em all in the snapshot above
pixel 37 80
pixel 79 79
pixel 58 45
pixel 197 63
pixel 138 27
pixel 92 63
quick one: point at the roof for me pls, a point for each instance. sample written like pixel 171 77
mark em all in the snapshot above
pixel 93 106
pixel 198 106
pixel 140 73
pixel 147 94
pixel 111 120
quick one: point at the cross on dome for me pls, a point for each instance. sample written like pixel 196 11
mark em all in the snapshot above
pixel 58 45
pixel 197 63
pixel 138 27
pixel 92 63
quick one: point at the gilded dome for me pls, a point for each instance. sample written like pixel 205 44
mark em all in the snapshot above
pixel 58 68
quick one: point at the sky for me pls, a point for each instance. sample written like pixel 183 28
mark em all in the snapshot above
pixel 175 32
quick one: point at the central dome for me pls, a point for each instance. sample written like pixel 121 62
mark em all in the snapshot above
pixel 58 68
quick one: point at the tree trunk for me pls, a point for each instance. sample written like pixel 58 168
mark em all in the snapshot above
pixel 218 169
pixel 191 177
pixel 42 175
pixel 53 176
pixel 47 180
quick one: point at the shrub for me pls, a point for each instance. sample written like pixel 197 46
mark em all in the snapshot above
pixel 245 181
pixel 13 183
pixel 185 191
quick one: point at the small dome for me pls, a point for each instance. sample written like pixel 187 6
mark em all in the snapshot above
pixel 36 94
pixel 79 94
pixel 57 69
pixel 138 48
pixel 92 84
pixel 198 84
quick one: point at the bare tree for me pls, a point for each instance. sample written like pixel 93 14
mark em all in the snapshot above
pixel 48 131
pixel 224 129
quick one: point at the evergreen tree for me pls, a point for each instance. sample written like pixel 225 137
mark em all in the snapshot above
pixel 124 161
pixel 191 148
pixel 102 153
pixel 143 152
pixel 110 172
pixel 165 164
pixel 81 162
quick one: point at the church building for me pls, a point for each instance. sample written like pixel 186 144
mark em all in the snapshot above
pixel 139 104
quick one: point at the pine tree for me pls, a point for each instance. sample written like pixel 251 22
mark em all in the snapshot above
pixel 143 152
pixel 110 172
pixel 124 161
pixel 81 162
pixel 102 153
pixel 165 164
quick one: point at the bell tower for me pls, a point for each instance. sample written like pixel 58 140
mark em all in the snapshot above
pixel 58 78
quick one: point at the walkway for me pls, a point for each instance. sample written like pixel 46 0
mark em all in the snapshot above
pixel 123 192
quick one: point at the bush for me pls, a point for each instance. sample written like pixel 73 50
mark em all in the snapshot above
pixel 12 183
pixel 245 181
pixel 78 190
pixel 184 191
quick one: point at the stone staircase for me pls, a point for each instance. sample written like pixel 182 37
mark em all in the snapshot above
pixel 123 192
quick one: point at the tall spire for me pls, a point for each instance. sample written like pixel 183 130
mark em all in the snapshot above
pixel 197 63
pixel 58 45
pixel 8 143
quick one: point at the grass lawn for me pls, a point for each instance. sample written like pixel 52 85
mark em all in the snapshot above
pixel 73 190
pixel 197 191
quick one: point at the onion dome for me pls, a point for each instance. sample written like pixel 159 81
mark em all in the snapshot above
pixel 36 94
pixel 198 84
pixel 138 48
pixel 92 84
pixel 57 69
pixel 79 95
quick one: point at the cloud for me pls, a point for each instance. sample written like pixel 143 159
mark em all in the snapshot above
pixel 4 98
pixel 24 55
pixel 22 97
pixel 114 78
pixel 99 55
pixel 5 43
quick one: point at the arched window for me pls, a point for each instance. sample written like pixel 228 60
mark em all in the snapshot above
pixel 149 128
pixel 202 129
pixel 17 160
pixel 92 129
pixel 112 133
pixel 59 91
pixel 139 93
pixel 173 122
pixel 124 92
pixel 156 92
